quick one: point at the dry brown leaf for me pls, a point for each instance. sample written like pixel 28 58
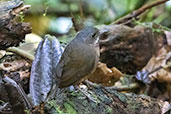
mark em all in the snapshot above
pixel 105 76
pixel 13 66
pixel 162 62
pixel 17 66
pixel 162 75
pixel 166 107
pixel 156 61
pixel 24 74
pixel 168 37
pixel 2 53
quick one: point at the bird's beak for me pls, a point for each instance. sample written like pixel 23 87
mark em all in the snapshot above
pixel 96 43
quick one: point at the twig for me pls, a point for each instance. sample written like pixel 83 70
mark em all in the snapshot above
pixel 21 53
pixel 73 19
pixel 139 11
pixel 124 87
pixel 118 88
pixel 81 10
pixel 160 67
pixel 78 24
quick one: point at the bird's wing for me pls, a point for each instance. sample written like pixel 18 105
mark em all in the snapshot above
pixel 76 63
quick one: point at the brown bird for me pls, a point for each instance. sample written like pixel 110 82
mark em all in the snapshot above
pixel 80 58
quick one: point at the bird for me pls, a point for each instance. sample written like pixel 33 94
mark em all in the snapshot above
pixel 80 58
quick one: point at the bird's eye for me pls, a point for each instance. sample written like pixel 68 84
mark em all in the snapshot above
pixel 94 35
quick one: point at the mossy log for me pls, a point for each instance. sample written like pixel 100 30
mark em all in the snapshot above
pixel 105 101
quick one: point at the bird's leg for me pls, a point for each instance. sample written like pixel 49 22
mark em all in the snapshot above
pixel 91 84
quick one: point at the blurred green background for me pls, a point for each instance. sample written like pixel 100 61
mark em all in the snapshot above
pixel 54 16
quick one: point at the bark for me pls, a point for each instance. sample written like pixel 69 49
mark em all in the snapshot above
pixel 107 101
pixel 13 33
pixel 130 49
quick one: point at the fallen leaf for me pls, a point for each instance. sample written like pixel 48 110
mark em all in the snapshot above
pixel 105 76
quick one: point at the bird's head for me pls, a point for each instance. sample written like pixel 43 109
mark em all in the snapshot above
pixel 89 35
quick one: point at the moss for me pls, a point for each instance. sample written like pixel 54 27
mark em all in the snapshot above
pixel 27 111
pixel 69 106
pixel 122 97
pixel 75 93
pixel 52 104
pixel 109 110
pixel 133 106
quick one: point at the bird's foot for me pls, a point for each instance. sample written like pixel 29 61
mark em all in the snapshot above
pixel 91 84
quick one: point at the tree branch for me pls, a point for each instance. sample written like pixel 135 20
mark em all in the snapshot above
pixel 139 11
